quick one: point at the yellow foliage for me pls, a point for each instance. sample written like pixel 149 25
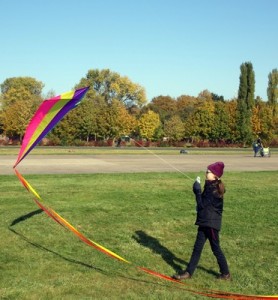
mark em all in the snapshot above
pixel 148 123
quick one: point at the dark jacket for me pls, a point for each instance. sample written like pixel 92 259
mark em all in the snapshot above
pixel 209 206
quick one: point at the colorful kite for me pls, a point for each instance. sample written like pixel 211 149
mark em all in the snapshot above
pixel 49 113
pixel 47 116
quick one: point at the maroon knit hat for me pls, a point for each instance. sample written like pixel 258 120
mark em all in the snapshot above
pixel 217 168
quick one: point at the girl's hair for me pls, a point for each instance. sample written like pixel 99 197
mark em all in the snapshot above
pixel 221 188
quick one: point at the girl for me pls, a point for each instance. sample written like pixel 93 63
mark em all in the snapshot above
pixel 209 217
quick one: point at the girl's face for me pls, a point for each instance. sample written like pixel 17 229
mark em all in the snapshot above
pixel 210 175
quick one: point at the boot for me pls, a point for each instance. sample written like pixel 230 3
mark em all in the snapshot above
pixel 181 276
pixel 224 277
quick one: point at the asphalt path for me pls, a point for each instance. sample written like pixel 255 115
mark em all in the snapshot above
pixel 109 163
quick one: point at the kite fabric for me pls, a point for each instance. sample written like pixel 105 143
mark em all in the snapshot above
pixel 49 113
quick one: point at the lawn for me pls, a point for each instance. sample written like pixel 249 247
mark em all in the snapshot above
pixel 146 218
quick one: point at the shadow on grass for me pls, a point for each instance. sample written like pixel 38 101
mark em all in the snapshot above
pixel 115 272
pixel 55 253
pixel 25 217
pixel 152 243
pixel 30 215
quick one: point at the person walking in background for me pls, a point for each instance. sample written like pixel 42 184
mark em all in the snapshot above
pixel 209 219
pixel 257 146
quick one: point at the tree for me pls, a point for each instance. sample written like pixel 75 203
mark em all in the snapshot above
pixel 205 95
pixel 246 89
pixel 19 100
pixel 147 124
pixel 272 90
pixel 220 128
pixel 165 106
pixel 91 119
pixel 263 122
pixel 14 94
pixel 199 125
pixel 174 128
pixel 111 86
pixel 16 118
pixel 245 101
pixel 18 106
pixel 216 97
pixel 85 117
pixel 114 120
pixel 66 130
pixel 28 83
pixel 126 122
pixel 232 119
pixel 186 106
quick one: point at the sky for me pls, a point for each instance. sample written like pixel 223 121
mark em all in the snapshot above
pixel 169 47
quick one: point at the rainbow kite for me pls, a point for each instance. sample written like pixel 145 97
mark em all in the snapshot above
pixel 49 113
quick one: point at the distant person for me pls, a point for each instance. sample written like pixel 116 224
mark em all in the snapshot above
pixel 257 146
pixel 209 219
pixel 119 142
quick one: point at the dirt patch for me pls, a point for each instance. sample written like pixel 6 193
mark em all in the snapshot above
pixel 85 164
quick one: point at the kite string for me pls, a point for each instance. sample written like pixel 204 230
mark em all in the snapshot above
pixel 163 160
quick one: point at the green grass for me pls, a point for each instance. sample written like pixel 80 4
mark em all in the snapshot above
pixel 146 218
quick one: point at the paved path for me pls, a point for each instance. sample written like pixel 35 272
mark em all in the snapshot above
pixel 84 164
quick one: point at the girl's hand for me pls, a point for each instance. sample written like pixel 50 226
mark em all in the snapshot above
pixel 197 186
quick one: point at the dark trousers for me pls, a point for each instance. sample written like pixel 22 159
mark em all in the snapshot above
pixel 212 235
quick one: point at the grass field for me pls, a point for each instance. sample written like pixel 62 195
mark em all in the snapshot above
pixel 146 218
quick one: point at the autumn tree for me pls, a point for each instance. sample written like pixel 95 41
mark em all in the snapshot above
pixel 20 100
pixel 147 124
pixel 111 86
pixel 220 127
pixel 85 119
pixel 186 106
pixel 16 117
pixel 174 128
pixel 199 125
pixel 205 95
pixel 165 106
pixel 126 122
pixel 11 88
pixel 231 107
pixel 262 121
pixel 114 120
pixel 93 119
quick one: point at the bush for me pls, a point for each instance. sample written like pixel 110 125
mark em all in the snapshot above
pixel 274 142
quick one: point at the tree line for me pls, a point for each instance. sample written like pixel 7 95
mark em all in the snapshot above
pixel 116 107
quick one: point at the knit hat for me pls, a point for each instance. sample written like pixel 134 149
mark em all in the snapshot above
pixel 217 168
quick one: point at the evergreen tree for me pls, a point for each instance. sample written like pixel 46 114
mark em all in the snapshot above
pixel 246 101
pixel 272 90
